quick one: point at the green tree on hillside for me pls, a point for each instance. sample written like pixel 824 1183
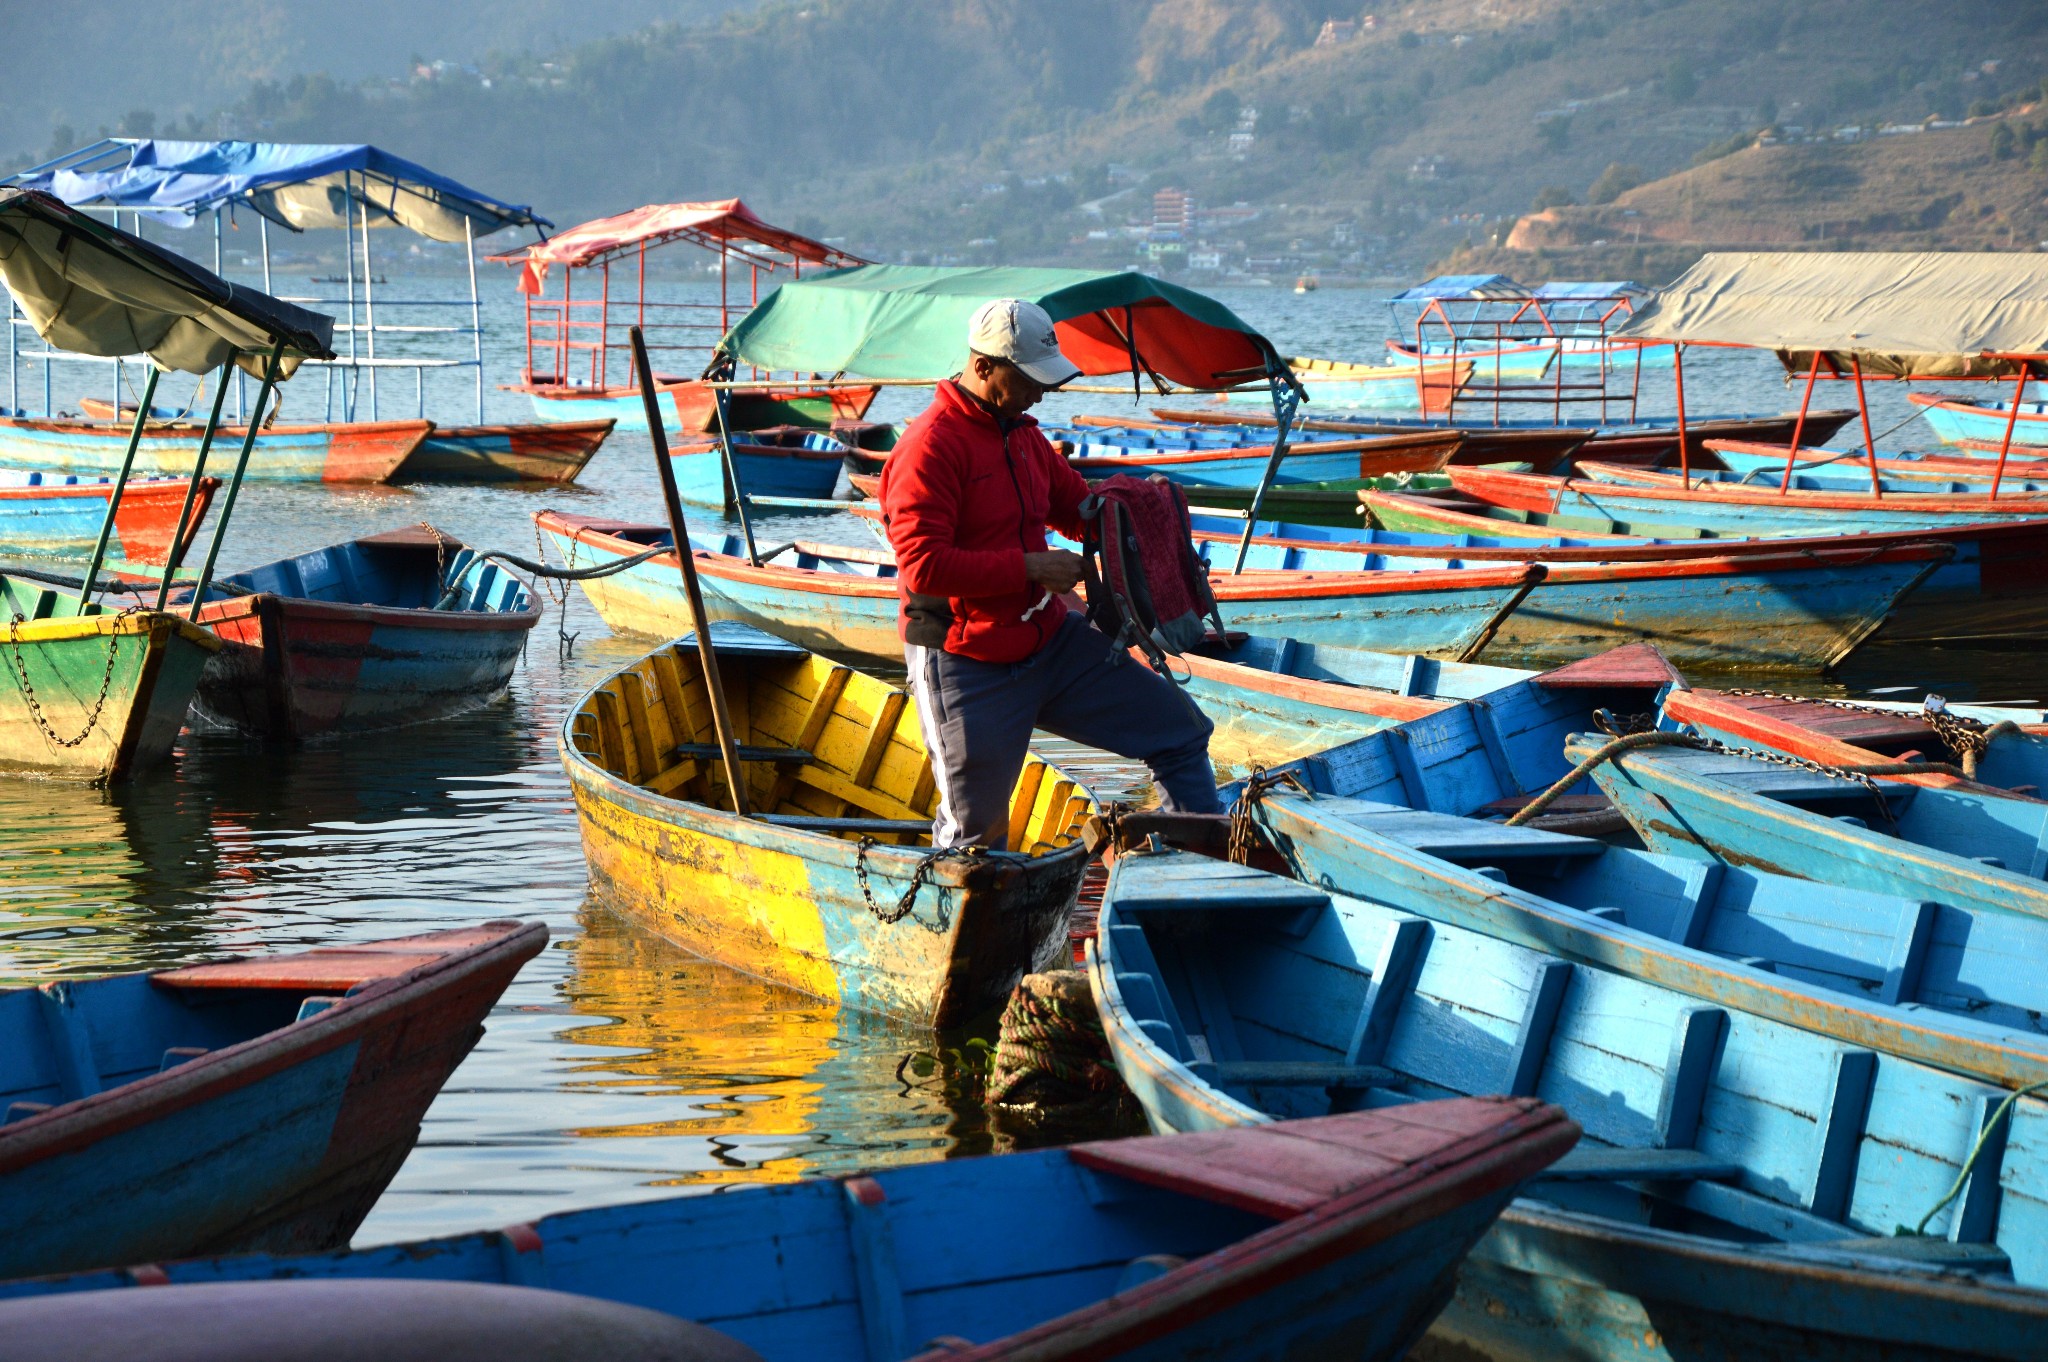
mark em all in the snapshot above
pixel 2004 146
pixel 1614 181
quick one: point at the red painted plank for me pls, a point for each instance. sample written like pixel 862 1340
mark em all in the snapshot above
pixel 331 967
pixel 1632 664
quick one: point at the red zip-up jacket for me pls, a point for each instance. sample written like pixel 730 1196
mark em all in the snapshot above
pixel 964 502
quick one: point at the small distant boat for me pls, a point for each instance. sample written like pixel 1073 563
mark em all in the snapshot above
pixel 1306 284
pixel 831 885
pixel 391 629
pixel 366 451
pixel 505 453
pixel 779 461
pixel 254 1103
pixel 1337 1239
pixel 1340 383
pixel 1956 422
pixel 1491 362
pixel 45 515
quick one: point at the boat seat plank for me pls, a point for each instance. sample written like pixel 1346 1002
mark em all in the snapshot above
pixel 1198 884
pixel 809 823
pixel 338 967
pixel 700 751
pixel 1593 1164
pixel 1462 839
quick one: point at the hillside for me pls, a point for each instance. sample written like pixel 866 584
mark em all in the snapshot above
pixel 973 130
pixel 1968 188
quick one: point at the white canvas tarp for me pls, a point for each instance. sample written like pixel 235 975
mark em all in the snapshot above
pixel 1892 313
pixel 92 290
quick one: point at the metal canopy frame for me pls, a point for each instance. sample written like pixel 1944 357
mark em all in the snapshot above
pixel 1500 320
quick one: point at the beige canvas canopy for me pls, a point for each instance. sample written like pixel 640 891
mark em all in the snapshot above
pixel 93 290
pixel 1892 313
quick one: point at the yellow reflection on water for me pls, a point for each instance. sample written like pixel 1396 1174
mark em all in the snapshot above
pixel 780 1084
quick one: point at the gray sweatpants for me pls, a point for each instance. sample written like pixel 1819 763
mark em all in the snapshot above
pixel 977 719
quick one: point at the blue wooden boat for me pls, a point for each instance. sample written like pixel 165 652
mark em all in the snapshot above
pixel 1741 1180
pixel 1955 422
pixel 1837 473
pixel 55 515
pixel 1335 1238
pixel 260 1103
pixel 1792 612
pixel 785 461
pixel 1276 699
pixel 1218 457
pixel 2005 749
pixel 1959 845
pixel 368 451
pixel 391 629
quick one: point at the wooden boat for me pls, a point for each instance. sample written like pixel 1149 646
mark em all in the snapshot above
pixel 45 515
pixel 391 629
pixel 548 452
pixel 1813 500
pixel 1331 464
pixel 1491 363
pixel 1958 845
pixel 1341 383
pixel 1830 470
pixel 1764 462
pixel 1991 592
pixel 256 1103
pixel 91 693
pixel 784 461
pixel 1795 612
pixel 696 405
pixel 1741 1179
pixel 1336 1238
pixel 2005 753
pixel 1541 447
pixel 837 771
pixel 367 451
pixel 1298 505
pixel 1955 422
pixel 1273 699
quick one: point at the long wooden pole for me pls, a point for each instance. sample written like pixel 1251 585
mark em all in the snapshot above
pixel 707 656
pixel 99 548
pixel 1286 402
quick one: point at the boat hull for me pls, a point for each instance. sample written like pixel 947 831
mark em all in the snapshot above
pixel 281 1142
pixel 692 407
pixel 764 471
pixel 104 696
pixel 546 452
pixel 369 451
pixel 297 669
pixel 60 519
pixel 1955 422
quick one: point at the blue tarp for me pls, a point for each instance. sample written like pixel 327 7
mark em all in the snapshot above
pixel 297 185
pixel 1590 291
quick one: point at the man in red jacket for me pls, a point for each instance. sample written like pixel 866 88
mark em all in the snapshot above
pixel 993 650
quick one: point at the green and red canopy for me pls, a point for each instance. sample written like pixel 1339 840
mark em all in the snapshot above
pixel 910 322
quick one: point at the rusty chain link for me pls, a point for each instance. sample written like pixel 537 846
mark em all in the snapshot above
pixel 28 690
pixel 906 905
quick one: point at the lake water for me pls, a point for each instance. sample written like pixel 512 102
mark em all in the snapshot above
pixel 617 1066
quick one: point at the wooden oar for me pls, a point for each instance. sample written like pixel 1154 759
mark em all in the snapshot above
pixel 707 656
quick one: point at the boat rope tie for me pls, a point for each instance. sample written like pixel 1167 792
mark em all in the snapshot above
pixel 906 905
pixel 1968 738
pixel 28 690
pixel 1998 1117
pixel 1244 833
pixel 1050 1047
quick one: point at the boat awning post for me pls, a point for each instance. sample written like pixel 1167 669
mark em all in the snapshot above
pixel 1286 401
pixel 707 656
pixel 99 549
pixel 1799 426
pixel 180 536
pixel 1678 382
pixel 227 505
pixel 721 398
pixel 476 314
pixel 1869 440
pixel 2012 420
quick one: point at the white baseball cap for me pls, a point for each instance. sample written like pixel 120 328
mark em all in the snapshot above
pixel 1021 332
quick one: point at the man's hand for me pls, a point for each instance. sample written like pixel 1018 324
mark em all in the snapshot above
pixel 1057 570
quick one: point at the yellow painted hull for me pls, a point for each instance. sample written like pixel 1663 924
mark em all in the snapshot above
pixel 786 902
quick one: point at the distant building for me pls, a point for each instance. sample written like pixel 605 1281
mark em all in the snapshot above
pixel 1173 215
pixel 1241 143
pixel 1205 260
pixel 1337 31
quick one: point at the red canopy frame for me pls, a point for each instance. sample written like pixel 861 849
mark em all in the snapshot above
pixel 1529 324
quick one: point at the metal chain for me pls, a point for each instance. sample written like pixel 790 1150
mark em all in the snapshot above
pixel 905 905
pixel 1244 834
pixel 1624 727
pixel 1967 738
pixel 440 558
pixel 28 690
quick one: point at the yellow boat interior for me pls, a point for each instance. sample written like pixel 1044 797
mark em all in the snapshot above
pixel 824 748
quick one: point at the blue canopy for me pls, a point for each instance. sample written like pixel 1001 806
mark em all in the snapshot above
pixel 297 185
pixel 1590 290
pixel 1462 286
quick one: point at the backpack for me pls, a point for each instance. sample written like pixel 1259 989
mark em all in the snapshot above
pixel 1146 586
